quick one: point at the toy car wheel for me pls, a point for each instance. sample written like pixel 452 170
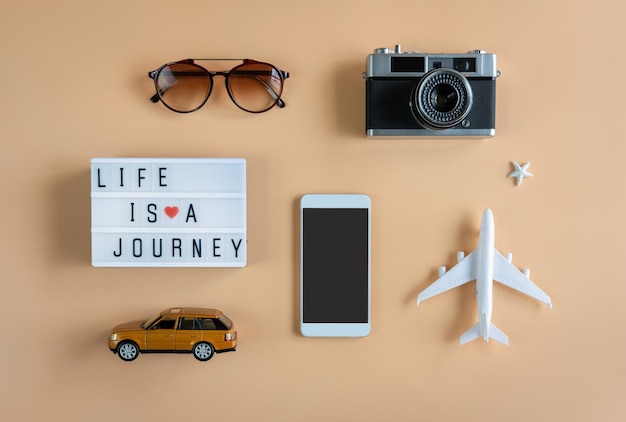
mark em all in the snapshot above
pixel 203 351
pixel 127 351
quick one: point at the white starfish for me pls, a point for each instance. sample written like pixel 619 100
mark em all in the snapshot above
pixel 520 172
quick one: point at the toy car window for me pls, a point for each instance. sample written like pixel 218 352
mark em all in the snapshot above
pixel 207 324
pixel 219 325
pixel 188 324
pixel 150 321
pixel 228 324
pixel 165 324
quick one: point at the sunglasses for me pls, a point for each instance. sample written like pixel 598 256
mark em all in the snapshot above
pixel 185 86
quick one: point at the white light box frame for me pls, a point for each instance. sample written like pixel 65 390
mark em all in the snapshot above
pixel 168 212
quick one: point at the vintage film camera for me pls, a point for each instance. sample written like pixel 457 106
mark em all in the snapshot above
pixel 415 94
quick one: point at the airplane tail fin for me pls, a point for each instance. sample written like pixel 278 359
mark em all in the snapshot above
pixel 497 335
pixel 494 333
pixel 471 334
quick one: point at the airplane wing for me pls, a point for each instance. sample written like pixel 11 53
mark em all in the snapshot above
pixel 458 275
pixel 504 272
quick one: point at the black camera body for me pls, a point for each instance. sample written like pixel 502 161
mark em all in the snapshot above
pixel 414 94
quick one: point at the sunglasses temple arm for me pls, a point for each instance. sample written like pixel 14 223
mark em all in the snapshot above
pixel 280 102
pixel 273 94
pixel 155 97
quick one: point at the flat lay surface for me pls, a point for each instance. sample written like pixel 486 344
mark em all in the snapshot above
pixel 76 87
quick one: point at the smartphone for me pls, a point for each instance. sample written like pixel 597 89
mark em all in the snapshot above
pixel 335 265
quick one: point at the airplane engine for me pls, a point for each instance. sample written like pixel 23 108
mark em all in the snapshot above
pixel 509 257
pixel 526 272
pixel 459 256
pixel 442 271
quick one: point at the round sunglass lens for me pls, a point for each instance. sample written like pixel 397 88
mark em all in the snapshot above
pixel 255 87
pixel 183 87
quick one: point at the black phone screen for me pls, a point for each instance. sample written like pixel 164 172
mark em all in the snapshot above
pixel 335 265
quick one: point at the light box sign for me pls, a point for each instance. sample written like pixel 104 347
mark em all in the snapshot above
pixel 168 212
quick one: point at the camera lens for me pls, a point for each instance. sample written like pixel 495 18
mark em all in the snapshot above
pixel 442 99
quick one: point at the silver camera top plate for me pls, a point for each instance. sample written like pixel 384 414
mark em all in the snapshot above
pixel 393 63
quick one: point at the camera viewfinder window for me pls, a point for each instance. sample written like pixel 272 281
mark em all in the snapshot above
pixel 465 65
pixel 407 64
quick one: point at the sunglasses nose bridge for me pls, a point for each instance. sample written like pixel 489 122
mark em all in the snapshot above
pixel 224 74
pixel 213 74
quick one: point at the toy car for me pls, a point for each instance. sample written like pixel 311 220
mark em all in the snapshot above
pixel 202 332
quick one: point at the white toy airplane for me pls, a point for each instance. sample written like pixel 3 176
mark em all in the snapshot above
pixel 484 264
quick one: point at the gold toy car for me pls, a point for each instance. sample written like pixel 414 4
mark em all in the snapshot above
pixel 200 331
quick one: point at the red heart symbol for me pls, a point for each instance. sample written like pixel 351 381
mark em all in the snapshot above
pixel 171 211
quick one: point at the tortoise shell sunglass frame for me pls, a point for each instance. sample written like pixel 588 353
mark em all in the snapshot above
pixel 184 86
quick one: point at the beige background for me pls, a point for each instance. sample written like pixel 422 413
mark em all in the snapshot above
pixel 75 87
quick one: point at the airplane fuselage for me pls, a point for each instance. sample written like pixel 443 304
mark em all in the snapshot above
pixel 484 273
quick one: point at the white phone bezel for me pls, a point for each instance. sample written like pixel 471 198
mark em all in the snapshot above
pixel 336 329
